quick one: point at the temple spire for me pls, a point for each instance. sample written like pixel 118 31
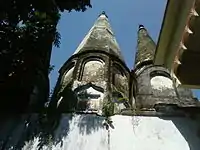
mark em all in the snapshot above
pixel 100 37
pixel 145 46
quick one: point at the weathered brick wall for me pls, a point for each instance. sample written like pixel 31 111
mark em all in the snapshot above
pixel 94 69
pixel 159 88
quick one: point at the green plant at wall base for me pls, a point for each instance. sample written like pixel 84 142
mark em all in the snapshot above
pixel 108 109
pixel 115 90
pixel 122 99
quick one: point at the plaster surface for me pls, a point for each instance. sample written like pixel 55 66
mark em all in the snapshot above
pixel 87 132
pixel 155 87
pixel 160 84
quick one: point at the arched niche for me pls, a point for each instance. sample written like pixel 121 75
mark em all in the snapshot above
pixel 90 97
pixel 162 84
pixel 93 70
pixel 68 75
pixel 119 78
pixel 120 93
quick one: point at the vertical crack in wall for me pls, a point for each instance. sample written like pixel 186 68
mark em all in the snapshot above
pixel 108 139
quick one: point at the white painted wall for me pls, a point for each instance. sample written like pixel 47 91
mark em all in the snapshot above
pixel 86 132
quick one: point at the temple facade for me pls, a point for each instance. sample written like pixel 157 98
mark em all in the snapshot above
pixel 100 104
pixel 95 75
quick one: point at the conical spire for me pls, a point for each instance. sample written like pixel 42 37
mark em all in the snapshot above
pixel 145 46
pixel 100 37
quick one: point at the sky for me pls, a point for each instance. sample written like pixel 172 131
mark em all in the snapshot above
pixel 124 17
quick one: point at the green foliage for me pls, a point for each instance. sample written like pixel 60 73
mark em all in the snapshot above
pixel 123 99
pixel 108 108
pixel 78 5
pixel 27 32
pixel 26 38
pixel 20 10
pixel 51 68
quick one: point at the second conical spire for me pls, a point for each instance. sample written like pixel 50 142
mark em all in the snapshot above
pixel 100 37
pixel 145 47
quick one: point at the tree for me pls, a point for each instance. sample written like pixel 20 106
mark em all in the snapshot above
pixel 27 32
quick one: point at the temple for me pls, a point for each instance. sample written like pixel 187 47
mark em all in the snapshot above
pixel 99 103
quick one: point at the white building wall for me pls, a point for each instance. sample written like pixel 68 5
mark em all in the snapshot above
pixel 86 132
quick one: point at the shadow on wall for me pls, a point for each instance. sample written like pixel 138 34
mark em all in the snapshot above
pixel 19 131
pixel 75 100
pixel 69 101
pixel 16 131
pixel 89 123
pixel 189 129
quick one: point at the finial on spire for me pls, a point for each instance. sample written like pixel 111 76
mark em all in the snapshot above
pixel 141 27
pixel 103 13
